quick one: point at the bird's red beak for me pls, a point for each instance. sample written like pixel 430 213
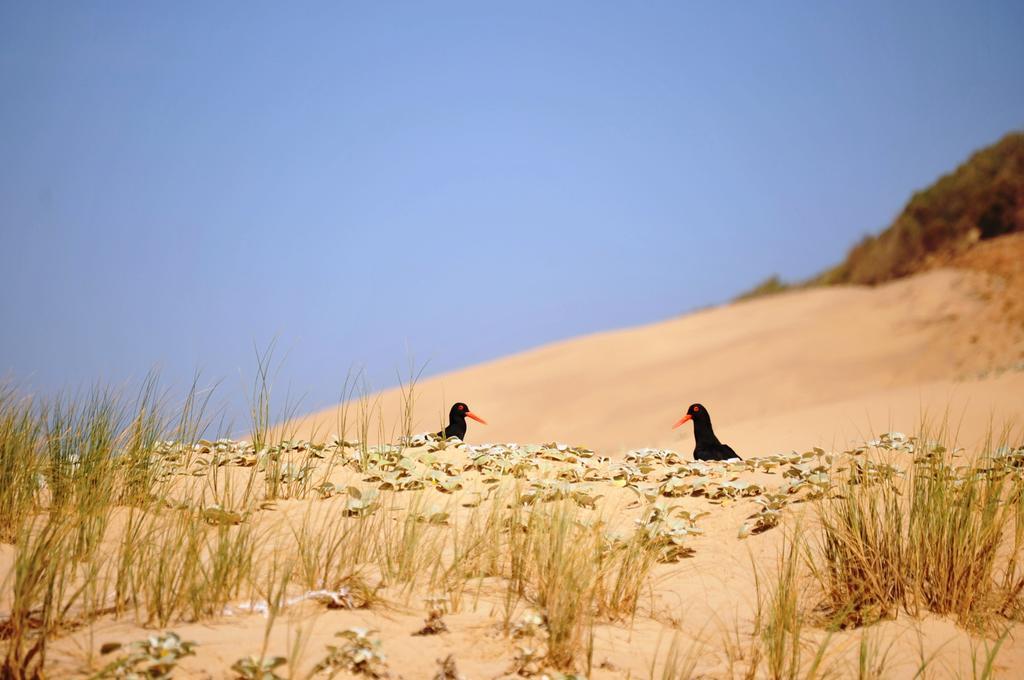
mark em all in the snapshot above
pixel 470 414
pixel 682 420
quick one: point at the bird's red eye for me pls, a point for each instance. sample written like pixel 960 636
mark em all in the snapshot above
pixel 696 408
pixel 461 407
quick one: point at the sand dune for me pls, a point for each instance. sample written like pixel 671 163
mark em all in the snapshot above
pixel 813 367
pixel 826 367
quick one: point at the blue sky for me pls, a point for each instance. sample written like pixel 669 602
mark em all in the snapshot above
pixel 459 180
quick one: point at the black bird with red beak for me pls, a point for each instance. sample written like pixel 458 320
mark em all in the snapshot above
pixel 708 447
pixel 457 422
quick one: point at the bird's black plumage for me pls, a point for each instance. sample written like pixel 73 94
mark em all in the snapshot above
pixel 457 422
pixel 708 446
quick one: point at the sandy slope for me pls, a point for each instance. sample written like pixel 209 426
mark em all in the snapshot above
pixel 820 366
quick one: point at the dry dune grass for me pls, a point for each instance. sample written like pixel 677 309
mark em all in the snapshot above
pixel 515 560
pixel 131 546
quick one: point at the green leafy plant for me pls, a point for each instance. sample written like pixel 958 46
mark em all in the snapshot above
pixel 359 654
pixel 154 658
pixel 254 668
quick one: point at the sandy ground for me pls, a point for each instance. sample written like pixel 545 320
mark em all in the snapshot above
pixel 823 367
pixel 705 601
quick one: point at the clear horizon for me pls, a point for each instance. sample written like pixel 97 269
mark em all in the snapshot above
pixel 457 182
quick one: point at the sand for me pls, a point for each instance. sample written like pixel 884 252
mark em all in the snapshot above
pixel 822 367
pixel 815 367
